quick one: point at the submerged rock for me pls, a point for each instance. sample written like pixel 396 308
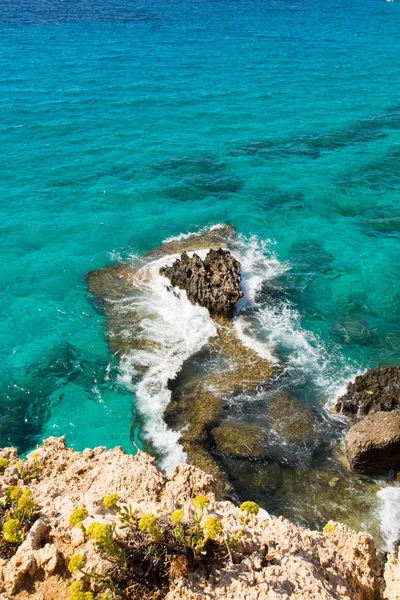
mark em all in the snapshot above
pixel 291 419
pixel 240 440
pixel 376 390
pixel 198 403
pixel 213 282
pixel 373 444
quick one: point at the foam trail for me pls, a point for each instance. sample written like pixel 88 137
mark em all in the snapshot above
pixel 190 234
pixel 390 515
pixel 173 329
pixel 276 324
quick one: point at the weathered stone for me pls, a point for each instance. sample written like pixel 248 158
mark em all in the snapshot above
pixel 213 282
pixel 376 390
pixel 273 555
pixel 241 440
pixel 373 444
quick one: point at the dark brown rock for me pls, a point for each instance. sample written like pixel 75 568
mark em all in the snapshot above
pixel 213 282
pixel 373 444
pixel 376 390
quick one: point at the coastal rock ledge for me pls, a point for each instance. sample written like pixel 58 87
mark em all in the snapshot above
pixel 275 559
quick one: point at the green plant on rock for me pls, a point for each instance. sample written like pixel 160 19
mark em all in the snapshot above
pixel 149 524
pixel 126 517
pixel 14 492
pixel 29 470
pixel 76 563
pixel 76 517
pixel 249 508
pixel 110 501
pixel 4 463
pixel 12 531
pixel 103 535
pixel 178 532
pixel 212 528
pixel 26 507
pixel 19 513
pixel 78 593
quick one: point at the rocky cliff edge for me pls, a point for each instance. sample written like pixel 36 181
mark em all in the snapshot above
pixel 274 560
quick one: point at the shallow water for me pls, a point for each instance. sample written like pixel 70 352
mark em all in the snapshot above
pixel 124 123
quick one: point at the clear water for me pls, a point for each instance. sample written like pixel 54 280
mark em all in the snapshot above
pixel 126 122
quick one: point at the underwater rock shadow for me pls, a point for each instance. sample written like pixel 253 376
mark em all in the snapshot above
pixel 313 146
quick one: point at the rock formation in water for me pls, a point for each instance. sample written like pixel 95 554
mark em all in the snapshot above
pixel 373 401
pixel 373 444
pixel 275 560
pixel 213 282
pixel 376 390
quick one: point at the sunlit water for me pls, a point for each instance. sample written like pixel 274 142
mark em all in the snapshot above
pixel 124 123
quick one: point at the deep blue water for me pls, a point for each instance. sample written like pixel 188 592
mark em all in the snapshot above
pixel 125 122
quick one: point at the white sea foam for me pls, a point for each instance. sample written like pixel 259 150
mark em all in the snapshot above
pixel 390 515
pixel 276 326
pixel 186 236
pixel 175 329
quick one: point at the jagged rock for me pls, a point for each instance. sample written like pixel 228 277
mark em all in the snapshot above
pixel 241 440
pixel 373 444
pixel 376 390
pixel 213 282
pixel 33 555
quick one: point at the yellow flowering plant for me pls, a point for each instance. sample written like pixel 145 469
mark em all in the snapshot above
pixel 103 535
pixel 76 563
pixel 110 501
pixel 78 593
pixel 4 463
pixel 12 531
pixel 212 528
pixel 76 517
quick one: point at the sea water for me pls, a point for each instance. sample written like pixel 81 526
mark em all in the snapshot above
pixel 124 123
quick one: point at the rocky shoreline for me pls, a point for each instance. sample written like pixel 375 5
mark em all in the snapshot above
pixel 284 452
pixel 274 560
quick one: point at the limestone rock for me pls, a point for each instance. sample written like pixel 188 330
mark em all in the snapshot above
pixel 213 282
pixel 373 444
pixel 276 559
pixel 376 390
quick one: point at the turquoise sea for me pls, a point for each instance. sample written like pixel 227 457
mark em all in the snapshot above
pixel 126 122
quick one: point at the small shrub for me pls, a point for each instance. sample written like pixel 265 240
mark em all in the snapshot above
pixel 177 517
pixel 103 535
pixel 77 517
pixel 12 531
pixel 110 501
pixel 149 523
pixel 78 593
pixel 212 528
pixel 26 507
pixel 14 493
pixel 4 463
pixel 76 563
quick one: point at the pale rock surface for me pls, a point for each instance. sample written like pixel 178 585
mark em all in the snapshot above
pixel 275 560
pixel 392 577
